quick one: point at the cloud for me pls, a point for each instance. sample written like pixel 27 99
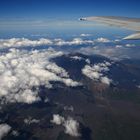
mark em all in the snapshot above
pixel 75 41
pixel 69 108
pixel 85 35
pixel 126 45
pixel 76 58
pixel 102 40
pixel 117 40
pixel 57 119
pixel 119 46
pixel 15 133
pixel 23 42
pixel 110 52
pixel 80 41
pixel 89 72
pixel 130 45
pixel 30 121
pixel 80 58
pixel 27 96
pixel 97 72
pixel 106 80
pixel 22 70
pixel 4 130
pixel 114 50
pixel 71 126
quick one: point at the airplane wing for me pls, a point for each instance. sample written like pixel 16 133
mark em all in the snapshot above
pixel 124 22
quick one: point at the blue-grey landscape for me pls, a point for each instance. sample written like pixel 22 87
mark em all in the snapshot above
pixel 69 70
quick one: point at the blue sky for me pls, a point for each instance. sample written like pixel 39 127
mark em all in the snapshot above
pixel 67 8
pixel 42 14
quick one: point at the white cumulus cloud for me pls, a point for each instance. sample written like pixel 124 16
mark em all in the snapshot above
pixel 75 41
pixel 57 119
pixel 22 42
pixel 76 58
pixel 106 80
pixel 4 130
pixel 130 45
pixel 97 72
pixel 102 40
pixel 25 42
pixel 20 71
pixel 85 35
pixel 71 126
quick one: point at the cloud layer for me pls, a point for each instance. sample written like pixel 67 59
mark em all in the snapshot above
pixel 97 72
pixel 20 71
pixel 25 42
pixel 71 126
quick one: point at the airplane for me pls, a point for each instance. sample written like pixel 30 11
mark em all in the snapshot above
pixel 124 22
